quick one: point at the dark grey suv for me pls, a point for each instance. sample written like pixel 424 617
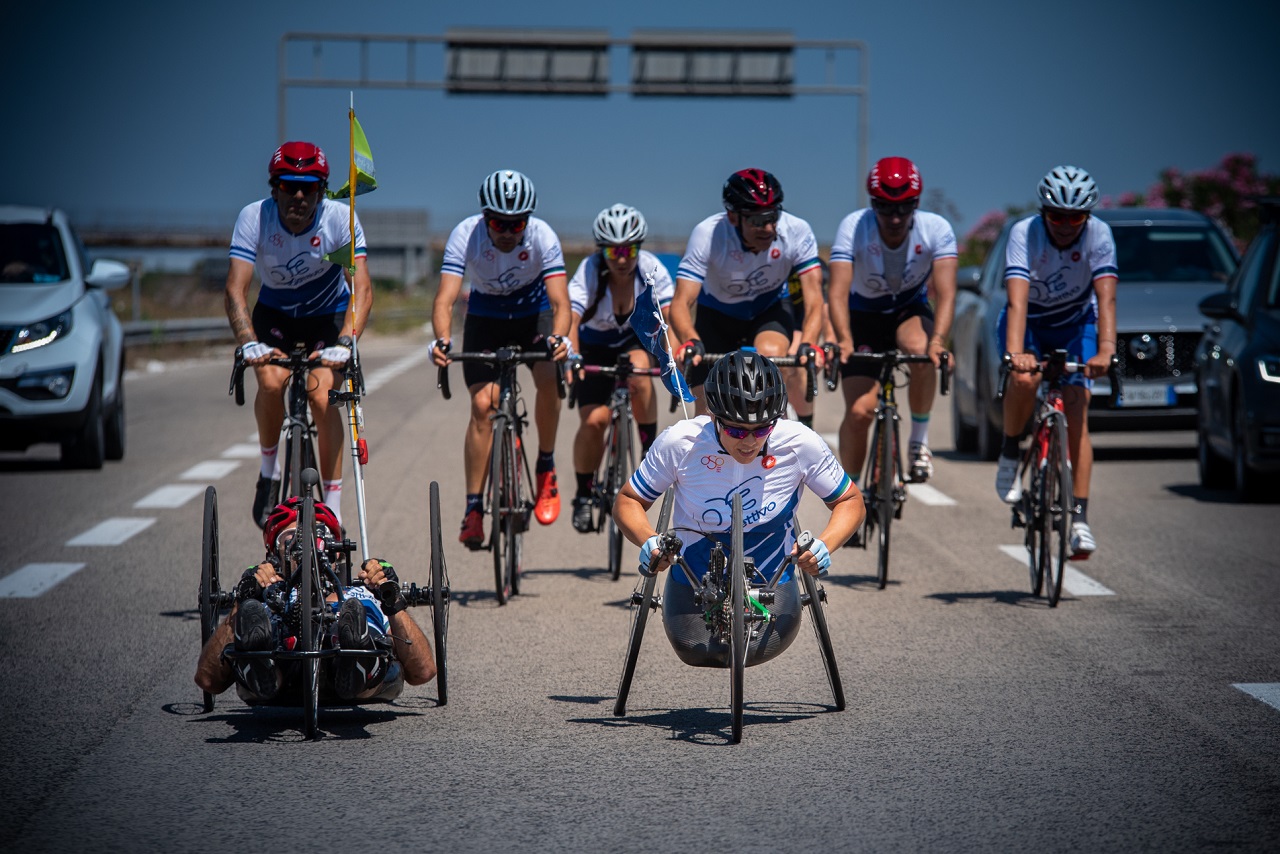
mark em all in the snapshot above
pixel 1169 259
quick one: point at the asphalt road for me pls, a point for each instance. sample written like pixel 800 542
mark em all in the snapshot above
pixel 977 719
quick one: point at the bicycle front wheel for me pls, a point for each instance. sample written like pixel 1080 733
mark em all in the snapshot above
pixel 737 620
pixel 1058 507
pixel 1033 502
pixel 884 443
pixel 619 471
pixel 519 512
pixel 439 598
pixel 498 508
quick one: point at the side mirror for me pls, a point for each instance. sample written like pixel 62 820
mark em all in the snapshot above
pixel 108 275
pixel 968 278
pixel 1220 306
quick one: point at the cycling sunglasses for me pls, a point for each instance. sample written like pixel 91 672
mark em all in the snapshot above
pixel 743 432
pixel 292 188
pixel 621 253
pixel 889 209
pixel 1055 217
pixel 760 220
pixel 512 226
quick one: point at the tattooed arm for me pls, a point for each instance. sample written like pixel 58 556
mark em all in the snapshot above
pixel 239 277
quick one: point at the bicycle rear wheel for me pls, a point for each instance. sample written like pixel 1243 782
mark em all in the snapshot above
pixel 819 619
pixel 883 446
pixel 620 470
pixel 498 508
pixel 1058 507
pixel 439 597
pixel 210 594
pixel 642 601
pixel 737 620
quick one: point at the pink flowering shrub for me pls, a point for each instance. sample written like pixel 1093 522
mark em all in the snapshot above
pixel 1225 192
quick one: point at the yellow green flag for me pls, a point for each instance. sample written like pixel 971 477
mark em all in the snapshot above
pixel 365 180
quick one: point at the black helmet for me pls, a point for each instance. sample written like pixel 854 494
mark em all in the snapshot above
pixel 752 190
pixel 746 388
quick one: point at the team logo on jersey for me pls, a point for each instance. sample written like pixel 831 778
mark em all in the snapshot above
pixel 1075 256
pixel 769 461
pixel 488 254
pixel 918 249
pixel 713 461
pixel 524 255
pixel 775 253
pixel 315 240
pixel 873 249
pixel 277 240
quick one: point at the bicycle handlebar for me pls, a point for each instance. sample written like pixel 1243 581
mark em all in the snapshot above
pixel 891 359
pixel 810 365
pixel 504 356
pixel 295 361
pixel 1057 366
pixel 622 370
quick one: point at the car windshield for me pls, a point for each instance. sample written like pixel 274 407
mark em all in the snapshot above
pixel 31 252
pixel 1172 253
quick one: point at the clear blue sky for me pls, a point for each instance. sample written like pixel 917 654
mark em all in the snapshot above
pixel 167 112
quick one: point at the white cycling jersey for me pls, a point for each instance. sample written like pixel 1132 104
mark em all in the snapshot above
pixel 504 284
pixel 1061 279
pixel 296 278
pixel 605 327
pixel 689 455
pixel 880 284
pixel 738 282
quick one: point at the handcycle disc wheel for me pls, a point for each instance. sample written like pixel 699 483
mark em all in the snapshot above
pixel 640 615
pixel 884 496
pixel 1057 509
pixel 824 637
pixel 737 620
pixel 498 509
pixel 439 597
pixel 210 593
pixel 308 596
pixel 618 476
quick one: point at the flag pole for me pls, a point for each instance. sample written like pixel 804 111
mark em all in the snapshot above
pixel 355 414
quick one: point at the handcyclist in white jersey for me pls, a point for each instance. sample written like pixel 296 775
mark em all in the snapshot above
pixel 602 296
pixel 735 270
pixel 1060 277
pixel 304 297
pixel 518 298
pixel 744 447
pixel 884 261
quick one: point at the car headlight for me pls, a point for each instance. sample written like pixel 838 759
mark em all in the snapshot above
pixel 35 335
pixel 1269 367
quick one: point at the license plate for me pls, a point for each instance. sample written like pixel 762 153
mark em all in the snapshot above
pixel 1148 395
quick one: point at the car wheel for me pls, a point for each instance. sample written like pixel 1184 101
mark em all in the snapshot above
pixel 88 448
pixel 114 424
pixel 1215 472
pixel 990 437
pixel 1248 483
pixel 963 436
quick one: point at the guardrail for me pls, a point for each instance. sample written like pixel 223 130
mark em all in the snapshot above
pixel 211 330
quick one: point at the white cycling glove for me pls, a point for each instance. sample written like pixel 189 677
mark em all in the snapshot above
pixel 646 555
pixel 823 554
pixel 339 353
pixel 254 350
pixel 441 344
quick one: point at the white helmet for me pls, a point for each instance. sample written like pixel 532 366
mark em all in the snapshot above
pixel 619 224
pixel 508 193
pixel 1068 188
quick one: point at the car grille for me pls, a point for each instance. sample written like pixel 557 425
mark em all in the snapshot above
pixel 1157 356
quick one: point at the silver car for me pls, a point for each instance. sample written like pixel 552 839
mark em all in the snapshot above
pixel 1169 259
pixel 61 346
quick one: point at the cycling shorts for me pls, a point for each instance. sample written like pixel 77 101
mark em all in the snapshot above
pixel 596 389
pixel 1080 342
pixel 721 333
pixel 277 329
pixel 490 333
pixel 693 641
pixel 877 332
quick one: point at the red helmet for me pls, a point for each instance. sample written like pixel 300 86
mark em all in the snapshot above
pixel 286 514
pixel 299 161
pixel 894 179
pixel 752 189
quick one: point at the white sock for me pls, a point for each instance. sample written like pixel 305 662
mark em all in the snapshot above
pixel 333 497
pixel 919 429
pixel 269 455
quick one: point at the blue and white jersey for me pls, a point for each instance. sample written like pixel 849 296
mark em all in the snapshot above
pixel 886 280
pixel 689 455
pixel 1061 279
pixel 606 328
pixel 296 278
pixel 738 282
pixel 504 284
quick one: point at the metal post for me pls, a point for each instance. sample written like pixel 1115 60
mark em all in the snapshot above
pixel 864 126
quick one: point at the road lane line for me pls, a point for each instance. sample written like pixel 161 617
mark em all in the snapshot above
pixel 173 495
pixel 1073 580
pixel 377 379
pixel 927 494
pixel 35 578
pixel 1267 692
pixel 244 451
pixel 111 532
pixel 210 470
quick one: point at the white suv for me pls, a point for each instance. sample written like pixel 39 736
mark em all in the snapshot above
pixel 61 347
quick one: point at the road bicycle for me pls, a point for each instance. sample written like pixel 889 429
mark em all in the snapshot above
pixel 735 597
pixel 620 450
pixel 884 482
pixel 309 568
pixel 1047 504
pixel 509 481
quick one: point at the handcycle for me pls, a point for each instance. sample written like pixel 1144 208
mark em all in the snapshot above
pixel 1047 504
pixel 620 455
pixel 885 485
pixel 509 481
pixel 309 567
pixel 735 597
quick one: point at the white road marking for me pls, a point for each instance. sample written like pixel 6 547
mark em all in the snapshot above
pixel 1267 692
pixel 1073 580
pixel 174 495
pixel 244 451
pixel 926 494
pixel 377 379
pixel 111 532
pixel 210 470
pixel 35 578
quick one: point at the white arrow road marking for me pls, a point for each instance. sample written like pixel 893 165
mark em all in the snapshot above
pixel 1075 581
pixel 35 578
pixel 112 532
pixel 174 495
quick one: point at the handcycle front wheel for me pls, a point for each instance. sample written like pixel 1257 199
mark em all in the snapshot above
pixel 642 602
pixel 311 603
pixel 737 621
pixel 439 597
pixel 210 593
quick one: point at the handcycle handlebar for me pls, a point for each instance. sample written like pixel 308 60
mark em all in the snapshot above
pixel 503 356
pixel 890 359
pixel 1056 365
